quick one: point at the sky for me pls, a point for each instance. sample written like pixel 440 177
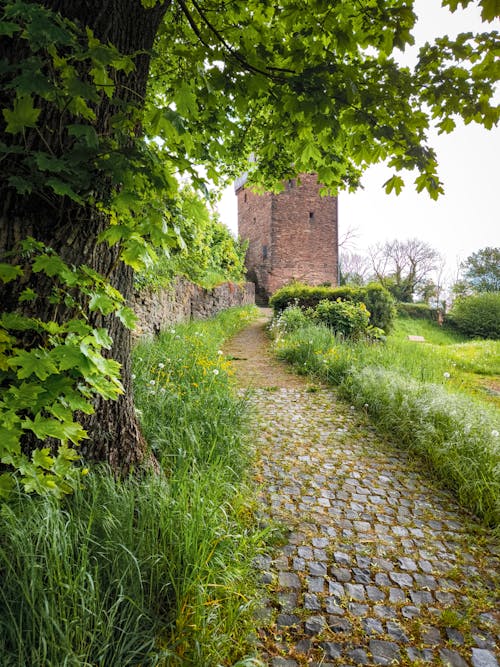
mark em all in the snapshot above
pixel 466 217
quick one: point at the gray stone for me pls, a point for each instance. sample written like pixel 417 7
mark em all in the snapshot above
pixel 361 576
pixel 359 656
pixel 426 581
pixel 287 600
pixel 384 653
pixel 421 597
pixel 332 607
pixel 397 595
pixel 314 625
pixel 341 558
pixel 431 636
pixel 311 602
pixel 299 564
pixel 410 611
pixel 444 597
pixel 315 584
pixel 394 631
pixel 382 579
pixel 375 594
pixel 286 620
pixel 317 569
pixel 483 639
pixel 303 646
pixel 339 624
pixel 372 626
pixel 305 552
pixel 408 564
pixel 284 662
pixel 483 658
pixel 331 649
pixel 452 658
pixel 289 580
pixel 355 592
pixel 424 655
pixel 358 609
pixel 401 579
pixel 336 590
pixel 455 636
pixel 341 573
pixel 384 612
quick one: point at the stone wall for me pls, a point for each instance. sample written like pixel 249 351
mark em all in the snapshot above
pixel 183 301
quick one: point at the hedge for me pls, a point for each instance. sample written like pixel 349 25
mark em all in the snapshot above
pixel 376 298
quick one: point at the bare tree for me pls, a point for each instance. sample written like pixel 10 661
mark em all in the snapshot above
pixel 404 266
pixel 355 269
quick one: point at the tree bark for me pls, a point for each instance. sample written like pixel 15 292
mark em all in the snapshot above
pixel 72 230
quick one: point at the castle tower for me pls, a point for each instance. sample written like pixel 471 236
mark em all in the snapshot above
pixel 292 235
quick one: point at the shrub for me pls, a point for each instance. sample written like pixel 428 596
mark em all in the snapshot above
pixel 477 315
pixel 381 306
pixel 349 319
pixel 291 319
pixel 377 299
pixel 417 311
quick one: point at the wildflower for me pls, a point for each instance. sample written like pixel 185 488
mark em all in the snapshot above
pixel 216 371
pixel 133 376
pixel 495 433
pixel 172 331
pixel 365 405
pixel 446 375
pixel 219 352
pixel 161 365
pixel 177 338
pixel 162 390
pixel 152 382
pixel 352 407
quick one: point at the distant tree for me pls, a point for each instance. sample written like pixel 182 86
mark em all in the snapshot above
pixel 481 270
pixel 403 267
pixel 354 269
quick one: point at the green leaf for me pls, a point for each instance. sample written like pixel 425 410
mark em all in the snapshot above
pixel 64 189
pixel 103 303
pixel 23 115
pixel 395 183
pixel 185 100
pixel 27 295
pixel 85 132
pixel 490 9
pixel 9 272
pixel 35 362
pixel 7 484
pixel 42 459
pixel 127 317
pixel 52 265
pixel 8 28
pixel 102 338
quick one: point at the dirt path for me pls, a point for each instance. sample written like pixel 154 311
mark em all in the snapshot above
pixel 379 566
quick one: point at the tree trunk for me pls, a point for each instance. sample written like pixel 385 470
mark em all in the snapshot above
pixel 72 230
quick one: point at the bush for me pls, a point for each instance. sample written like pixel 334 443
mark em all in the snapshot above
pixel 349 319
pixel 377 299
pixel 417 311
pixel 477 315
pixel 291 319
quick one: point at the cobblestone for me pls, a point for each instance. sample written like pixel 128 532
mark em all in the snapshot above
pixel 379 561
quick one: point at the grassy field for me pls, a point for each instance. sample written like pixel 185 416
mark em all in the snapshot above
pixel 147 570
pixel 436 398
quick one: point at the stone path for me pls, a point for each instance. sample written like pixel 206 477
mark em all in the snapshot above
pixel 378 566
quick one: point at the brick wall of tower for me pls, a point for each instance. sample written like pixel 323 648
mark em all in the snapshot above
pixel 298 228
pixel 254 225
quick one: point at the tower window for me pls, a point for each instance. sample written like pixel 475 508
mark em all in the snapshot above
pixel 311 216
pixel 264 252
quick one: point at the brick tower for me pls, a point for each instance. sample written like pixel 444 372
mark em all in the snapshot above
pixel 292 235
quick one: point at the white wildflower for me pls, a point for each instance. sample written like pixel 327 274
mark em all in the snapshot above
pixel 219 352
pixel 152 382
pixel 133 376
pixel 495 433
pixel 161 365
pixel 446 375
pixel 216 371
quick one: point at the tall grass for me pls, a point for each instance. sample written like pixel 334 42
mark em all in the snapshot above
pixel 151 570
pixel 407 393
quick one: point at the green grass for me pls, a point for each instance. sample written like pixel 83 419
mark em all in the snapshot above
pixel 421 397
pixel 155 569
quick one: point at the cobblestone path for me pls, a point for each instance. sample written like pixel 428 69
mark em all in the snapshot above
pixel 378 565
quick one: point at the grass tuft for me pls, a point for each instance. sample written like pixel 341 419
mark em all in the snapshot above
pixel 151 570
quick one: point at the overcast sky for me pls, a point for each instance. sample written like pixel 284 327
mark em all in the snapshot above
pixel 467 217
